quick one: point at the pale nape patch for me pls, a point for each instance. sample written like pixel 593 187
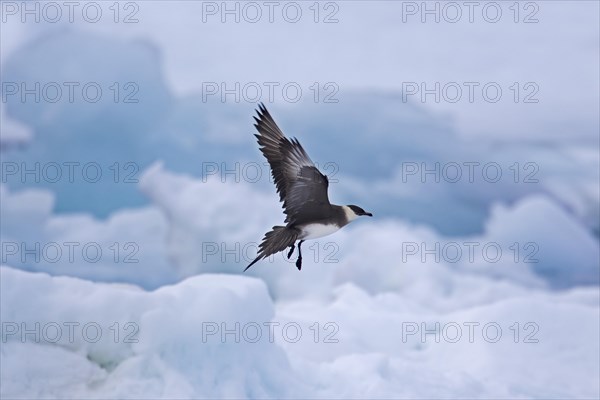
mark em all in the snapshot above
pixel 315 231
pixel 350 215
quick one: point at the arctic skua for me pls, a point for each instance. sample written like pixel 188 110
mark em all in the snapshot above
pixel 302 189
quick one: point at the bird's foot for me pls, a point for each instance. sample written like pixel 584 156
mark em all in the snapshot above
pixel 299 260
pixel 292 247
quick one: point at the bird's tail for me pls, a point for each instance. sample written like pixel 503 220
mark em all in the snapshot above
pixel 275 241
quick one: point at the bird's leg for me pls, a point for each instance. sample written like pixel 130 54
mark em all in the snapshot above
pixel 292 247
pixel 299 260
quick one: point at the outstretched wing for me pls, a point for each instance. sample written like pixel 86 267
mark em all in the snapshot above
pixel 297 179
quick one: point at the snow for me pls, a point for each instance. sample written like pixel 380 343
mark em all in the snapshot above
pixel 566 262
pixel 12 133
pixel 199 338
pixel 161 352
pixel 358 321
pixel 175 238
pixel 173 120
pixel 131 286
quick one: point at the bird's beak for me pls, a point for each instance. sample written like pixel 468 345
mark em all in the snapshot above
pixel 369 214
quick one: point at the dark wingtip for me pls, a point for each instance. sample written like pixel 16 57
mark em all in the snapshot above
pixel 259 111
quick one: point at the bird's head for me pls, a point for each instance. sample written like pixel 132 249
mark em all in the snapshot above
pixel 353 212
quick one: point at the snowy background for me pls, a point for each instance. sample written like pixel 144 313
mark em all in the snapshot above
pixel 133 194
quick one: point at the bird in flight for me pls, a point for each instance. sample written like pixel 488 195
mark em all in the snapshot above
pixel 302 189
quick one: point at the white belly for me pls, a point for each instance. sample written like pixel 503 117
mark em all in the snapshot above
pixel 315 231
